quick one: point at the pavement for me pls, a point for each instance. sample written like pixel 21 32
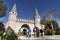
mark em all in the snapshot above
pixel 53 37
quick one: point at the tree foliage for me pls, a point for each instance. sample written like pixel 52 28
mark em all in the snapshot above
pixel 48 18
pixel 48 27
pixel 58 31
pixel 47 24
pixel 2 29
pixel 51 15
pixel 2 9
pixel 10 34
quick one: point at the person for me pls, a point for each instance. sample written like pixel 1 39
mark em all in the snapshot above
pixel 37 32
pixel 41 31
pixel 24 32
pixel 29 32
pixel 34 33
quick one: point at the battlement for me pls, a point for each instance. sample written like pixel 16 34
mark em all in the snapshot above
pixel 25 20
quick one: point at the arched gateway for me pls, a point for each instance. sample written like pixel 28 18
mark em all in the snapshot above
pixel 22 24
pixel 25 26
pixel 24 29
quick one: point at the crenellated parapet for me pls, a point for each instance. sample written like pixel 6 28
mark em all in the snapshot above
pixel 24 20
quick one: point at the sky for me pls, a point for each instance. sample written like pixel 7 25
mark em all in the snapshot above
pixel 26 8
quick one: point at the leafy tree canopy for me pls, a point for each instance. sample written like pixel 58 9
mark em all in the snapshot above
pixel 51 15
pixel 2 9
pixel 2 29
pixel 49 20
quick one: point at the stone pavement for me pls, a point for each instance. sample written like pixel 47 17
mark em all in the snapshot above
pixel 54 37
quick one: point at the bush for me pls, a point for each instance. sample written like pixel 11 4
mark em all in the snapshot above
pixel 49 32
pixel 57 31
pixel 12 36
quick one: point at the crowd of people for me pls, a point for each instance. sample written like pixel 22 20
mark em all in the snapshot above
pixel 37 32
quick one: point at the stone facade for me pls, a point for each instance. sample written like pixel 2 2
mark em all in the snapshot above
pixel 19 24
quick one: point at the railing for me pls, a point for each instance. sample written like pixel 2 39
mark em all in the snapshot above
pixel 25 20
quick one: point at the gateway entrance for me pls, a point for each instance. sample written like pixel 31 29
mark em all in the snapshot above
pixel 24 29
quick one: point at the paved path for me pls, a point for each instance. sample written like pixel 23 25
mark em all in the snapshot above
pixel 55 37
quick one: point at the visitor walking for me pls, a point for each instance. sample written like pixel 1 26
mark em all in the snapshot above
pixel 41 31
pixel 36 32
pixel 29 33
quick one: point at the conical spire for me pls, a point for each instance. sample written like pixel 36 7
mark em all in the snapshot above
pixel 37 19
pixel 14 8
pixel 36 12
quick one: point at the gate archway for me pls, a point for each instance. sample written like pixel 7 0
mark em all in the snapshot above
pixel 24 28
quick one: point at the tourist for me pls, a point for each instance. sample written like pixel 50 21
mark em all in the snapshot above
pixel 37 32
pixel 29 32
pixel 34 30
pixel 41 31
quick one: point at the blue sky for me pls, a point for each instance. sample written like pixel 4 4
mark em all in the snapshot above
pixel 26 8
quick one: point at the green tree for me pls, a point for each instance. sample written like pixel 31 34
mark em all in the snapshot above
pixel 48 18
pixel 2 30
pixel 58 31
pixel 48 27
pixel 47 24
pixel 48 32
pixel 51 15
pixel 10 34
pixel 2 9
pixel 55 24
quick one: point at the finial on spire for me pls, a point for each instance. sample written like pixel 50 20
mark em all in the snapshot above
pixel 14 8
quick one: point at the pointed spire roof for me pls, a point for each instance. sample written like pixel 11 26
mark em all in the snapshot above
pixel 36 12
pixel 14 8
